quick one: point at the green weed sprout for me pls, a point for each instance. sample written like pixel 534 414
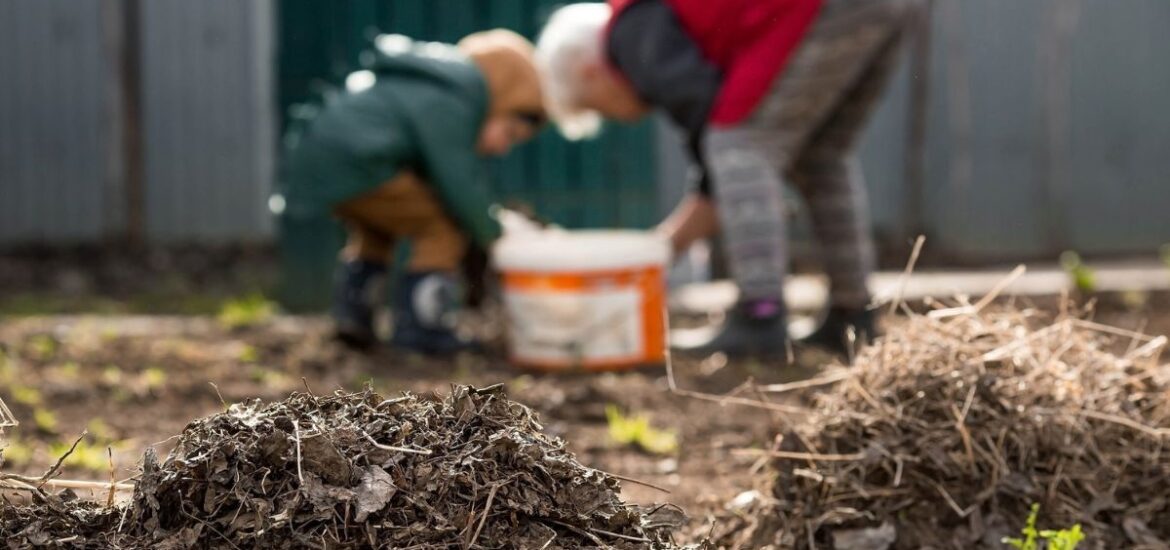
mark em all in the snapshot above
pixel 637 431
pixel 91 457
pixel 154 378
pixel 1064 539
pixel 42 347
pixel 248 311
pixel 1082 275
pixel 249 354
pixel 45 421
pixel 15 452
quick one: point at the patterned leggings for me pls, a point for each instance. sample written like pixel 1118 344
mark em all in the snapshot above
pixel 806 131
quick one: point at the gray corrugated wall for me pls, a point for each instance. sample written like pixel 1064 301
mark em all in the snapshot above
pixel 208 112
pixel 1049 127
pixel 1012 169
pixel 56 179
pixel 208 120
pixel 1119 125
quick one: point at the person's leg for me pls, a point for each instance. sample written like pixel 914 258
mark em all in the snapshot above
pixel 835 191
pixel 358 283
pixel 749 201
pixel 828 175
pixel 427 296
pixel 746 161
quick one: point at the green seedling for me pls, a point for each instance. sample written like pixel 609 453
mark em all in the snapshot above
pixel 17 453
pixel 100 430
pixel 249 354
pixel 27 396
pixel 636 431
pixel 45 421
pixel 1064 539
pixel 258 374
pixel 70 370
pixel 87 456
pixel 111 375
pixel 520 384
pixel 154 378
pixel 42 347
pixel 248 311
pixel 268 378
pixel 1081 275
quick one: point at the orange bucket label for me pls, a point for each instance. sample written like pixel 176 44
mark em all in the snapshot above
pixel 603 320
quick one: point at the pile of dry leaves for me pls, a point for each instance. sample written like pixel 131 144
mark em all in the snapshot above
pixel 354 470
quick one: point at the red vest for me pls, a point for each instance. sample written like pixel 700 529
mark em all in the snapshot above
pixel 749 40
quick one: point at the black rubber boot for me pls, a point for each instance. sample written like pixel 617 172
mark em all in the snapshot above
pixel 752 330
pixel 425 307
pixel 357 289
pixel 834 333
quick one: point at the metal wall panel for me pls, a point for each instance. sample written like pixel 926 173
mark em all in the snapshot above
pixel 1117 160
pixel 1049 123
pixel 982 193
pixel 208 119
pixel 57 178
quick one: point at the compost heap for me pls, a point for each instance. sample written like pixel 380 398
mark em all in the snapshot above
pixel 354 470
pixel 946 432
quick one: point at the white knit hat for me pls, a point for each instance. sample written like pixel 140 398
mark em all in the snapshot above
pixel 572 37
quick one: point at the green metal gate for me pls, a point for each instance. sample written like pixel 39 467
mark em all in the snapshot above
pixel 607 182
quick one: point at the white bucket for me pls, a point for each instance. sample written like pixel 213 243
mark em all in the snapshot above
pixel 591 300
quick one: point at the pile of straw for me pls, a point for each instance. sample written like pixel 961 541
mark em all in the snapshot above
pixel 947 431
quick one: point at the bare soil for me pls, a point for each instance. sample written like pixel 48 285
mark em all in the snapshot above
pixel 136 381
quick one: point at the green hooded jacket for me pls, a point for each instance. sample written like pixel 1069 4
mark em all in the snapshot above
pixel 418 105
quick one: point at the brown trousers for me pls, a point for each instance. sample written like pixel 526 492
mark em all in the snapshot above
pixel 403 208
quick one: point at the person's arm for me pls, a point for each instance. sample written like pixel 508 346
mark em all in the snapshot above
pixel 456 179
pixel 693 219
pixel 650 47
pixel 446 141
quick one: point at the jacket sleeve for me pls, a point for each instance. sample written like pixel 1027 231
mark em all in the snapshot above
pixel 666 67
pixel 446 138
pixel 650 47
